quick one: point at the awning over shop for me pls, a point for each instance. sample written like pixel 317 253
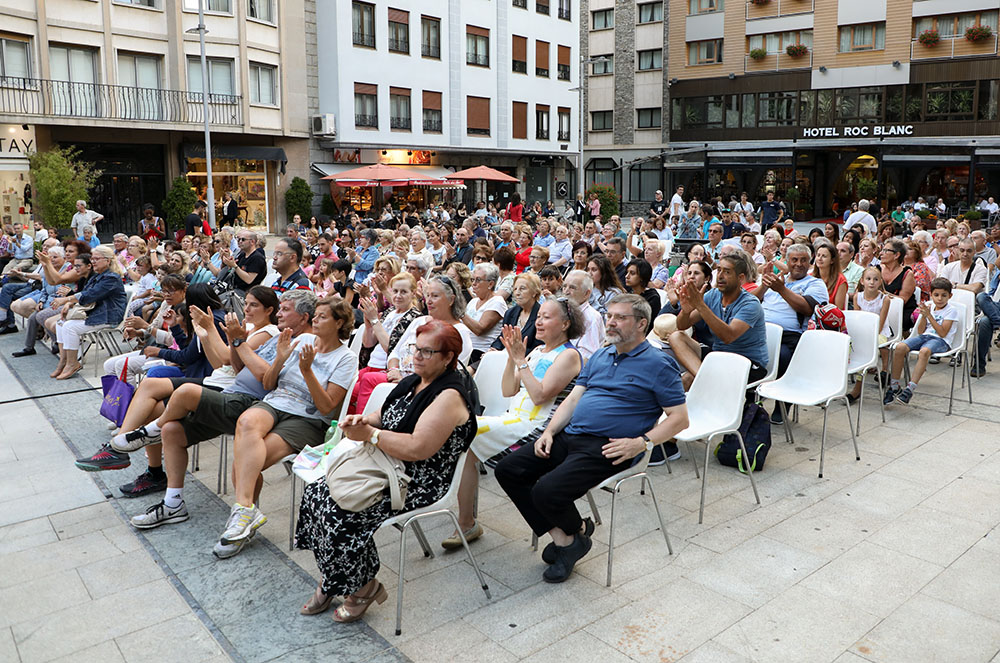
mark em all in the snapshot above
pixel 244 152
pixel 928 158
pixel 750 158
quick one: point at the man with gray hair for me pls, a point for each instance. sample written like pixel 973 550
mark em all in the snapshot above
pixel 250 264
pixel 611 416
pixel 862 217
pixel 24 251
pixel 84 217
pixel 577 286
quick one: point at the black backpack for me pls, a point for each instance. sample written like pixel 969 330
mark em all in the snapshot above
pixel 756 431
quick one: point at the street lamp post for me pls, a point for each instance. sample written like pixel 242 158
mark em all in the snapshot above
pixel 584 62
pixel 210 191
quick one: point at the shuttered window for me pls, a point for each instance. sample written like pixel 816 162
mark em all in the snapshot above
pixel 477 119
pixel 520 120
pixel 542 58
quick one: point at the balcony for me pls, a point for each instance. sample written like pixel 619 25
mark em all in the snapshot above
pixel 542 7
pixel 432 126
pixel 777 62
pixel 519 67
pixel 542 71
pixel 430 50
pixel 542 134
pixel 775 8
pixel 953 47
pixel 402 123
pixel 47 98
pixel 523 4
pixel 366 121
pixel 364 39
pixel 563 74
pixel 477 60
pixel 564 135
pixel 399 45
pixel 564 13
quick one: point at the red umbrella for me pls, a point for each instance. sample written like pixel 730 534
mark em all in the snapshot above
pixel 483 173
pixel 377 173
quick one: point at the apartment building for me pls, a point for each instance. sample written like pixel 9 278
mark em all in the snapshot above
pixel 122 81
pixel 443 85
pixel 762 95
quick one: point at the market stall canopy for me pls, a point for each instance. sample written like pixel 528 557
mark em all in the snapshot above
pixel 483 173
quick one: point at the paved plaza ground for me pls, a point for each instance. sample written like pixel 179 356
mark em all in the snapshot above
pixel 893 558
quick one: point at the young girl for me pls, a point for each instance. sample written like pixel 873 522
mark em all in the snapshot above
pixel 145 286
pixel 872 297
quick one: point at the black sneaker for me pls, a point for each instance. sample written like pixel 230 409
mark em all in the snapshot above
pixel 8 329
pixel 890 396
pixel 26 352
pixel 656 455
pixel 776 418
pixel 144 484
pixel 566 559
pixel 105 459
pixel 549 551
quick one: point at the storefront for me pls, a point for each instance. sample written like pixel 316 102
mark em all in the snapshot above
pixel 16 142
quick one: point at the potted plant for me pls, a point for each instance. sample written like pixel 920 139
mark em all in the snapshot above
pixel 929 38
pixel 796 50
pixel 979 33
pixel 759 2
pixel 758 54
pixel 924 214
pixel 867 188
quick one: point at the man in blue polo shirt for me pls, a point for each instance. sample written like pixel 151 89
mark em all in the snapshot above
pixel 734 317
pixel 285 259
pixel 610 417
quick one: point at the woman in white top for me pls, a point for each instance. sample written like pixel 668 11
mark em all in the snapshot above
pixel 484 313
pixel 533 382
pixel 436 248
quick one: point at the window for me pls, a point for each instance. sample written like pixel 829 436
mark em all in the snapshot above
pixel 652 59
pixel 139 3
pixel 954 25
pixel 777 109
pixel 950 101
pixel 519 54
pixel 563 57
pixel 262 10
pixel 651 12
pixel 564 124
pixel 602 171
pixel 644 180
pixel 432 112
pixel 477 46
pixel 705 52
pixel 542 58
pixel 865 37
pixel 647 118
pixel 541 122
pixel 220 76
pixel 860 105
pixel 605 67
pixel 15 58
pixel 603 19
pixel 263 84
pixel 216 6
pixel 139 78
pixel 777 42
pixel 542 6
pixel 399 108
pixel 363 15
pixel 365 105
pixel 77 67
pixel 523 4
pixel 430 37
pixel 399 31
pixel 989 93
pixel 477 116
pixel 706 6
pixel 565 12
pixel 704 112
pixel 519 120
pixel 601 121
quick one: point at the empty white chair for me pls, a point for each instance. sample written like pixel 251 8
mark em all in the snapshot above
pixel 816 375
pixel 863 330
pixel 967 299
pixel 895 321
pixel 715 407
pixel 958 348
pixel 488 377
pixel 773 354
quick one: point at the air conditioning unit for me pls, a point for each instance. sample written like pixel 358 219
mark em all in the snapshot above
pixel 324 125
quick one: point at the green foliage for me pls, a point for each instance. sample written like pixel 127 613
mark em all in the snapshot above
pixel 608 197
pixel 298 199
pixel 327 206
pixel 974 215
pixel 867 188
pixel 59 180
pixel 923 213
pixel 793 193
pixel 758 54
pixel 179 202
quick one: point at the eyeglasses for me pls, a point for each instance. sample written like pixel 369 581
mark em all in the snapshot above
pixel 277 254
pixel 422 353
pixel 615 317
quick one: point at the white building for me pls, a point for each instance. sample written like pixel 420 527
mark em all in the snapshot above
pixel 446 84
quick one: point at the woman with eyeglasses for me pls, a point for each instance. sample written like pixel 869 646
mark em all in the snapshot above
pixel 484 312
pixel 536 382
pixel 898 278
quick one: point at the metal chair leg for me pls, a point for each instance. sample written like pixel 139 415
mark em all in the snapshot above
pixel 419 533
pixel 291 514
pixel 402 577
pixel 534 542
pixel 611 533
pixel 787 424
pixel 854 439
pixel 968 371
pixel 750 470
pixel 822 442
pixel 593 508
pixel 951 395
pixel 659 516
pixel 704 481
pixel 221 485
pixel 472 558
pixel 694 461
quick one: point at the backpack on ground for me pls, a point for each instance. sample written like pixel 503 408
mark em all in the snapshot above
pixel 756 431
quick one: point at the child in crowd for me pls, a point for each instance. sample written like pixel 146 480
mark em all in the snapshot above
pixel 935 331
pixel 145 286
pixel 873 298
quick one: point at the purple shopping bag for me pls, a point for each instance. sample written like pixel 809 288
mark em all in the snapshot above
pixel 117 396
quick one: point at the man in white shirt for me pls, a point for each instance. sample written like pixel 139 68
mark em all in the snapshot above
pixel 991 206
pixel 577 286
pixel 677 205
pixel 920 204
pixel 966 273
pixel 862 217
pixel 84 217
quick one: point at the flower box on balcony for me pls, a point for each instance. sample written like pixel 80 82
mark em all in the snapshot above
pixel 797 50
pixel 759 2
pixel 979 33
pixel 929 38
pixel 758 54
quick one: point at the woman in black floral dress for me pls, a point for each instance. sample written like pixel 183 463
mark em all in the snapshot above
pixel 427 422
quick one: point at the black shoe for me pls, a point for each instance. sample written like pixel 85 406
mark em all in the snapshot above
pixel 852 399
pixel 8 329
pixel 549 551
pixel 977 372
pixel 776 418
pixel 883 379
pixel 105 459
pixel 144 483
pixel 27 352
pixel 656 455
pixel 54 349
pixel 566 559
pixel 890 396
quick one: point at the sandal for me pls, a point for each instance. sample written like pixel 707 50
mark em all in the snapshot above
pixel 317 603
pixel 354 606
pixel 72 371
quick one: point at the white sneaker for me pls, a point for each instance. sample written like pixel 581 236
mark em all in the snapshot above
pixel 134 440
pixel 243 521
pixel 160 514
pixel 112 426
pixel 227 550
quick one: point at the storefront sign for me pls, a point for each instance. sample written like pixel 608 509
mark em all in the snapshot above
pixel 16 142
pixel 863 131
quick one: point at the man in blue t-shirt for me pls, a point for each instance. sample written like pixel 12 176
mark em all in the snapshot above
pixel 734 317
pixel 771 212
pixel 611 416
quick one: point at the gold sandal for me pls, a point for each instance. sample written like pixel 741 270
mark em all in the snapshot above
pixel 353 611
pixel 317 603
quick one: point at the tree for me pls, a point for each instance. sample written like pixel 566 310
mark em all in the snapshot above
pixel 608 197
pixel 328 207
pixel 179 202
pixel 298 199
pixel 59 179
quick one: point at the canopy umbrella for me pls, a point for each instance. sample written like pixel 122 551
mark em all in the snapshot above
pixel 373 175
pixel 483 174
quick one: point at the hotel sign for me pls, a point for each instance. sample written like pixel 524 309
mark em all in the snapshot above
pixel 864 131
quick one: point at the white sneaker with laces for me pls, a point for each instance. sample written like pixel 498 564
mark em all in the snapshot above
pixel 160 514
pixel 243 521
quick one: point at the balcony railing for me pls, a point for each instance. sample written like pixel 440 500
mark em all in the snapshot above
pixel 364 39
pixel 399 123
pixel 474 131
pixel 366 121
pixel 564 13
pixel 432 126
pixel 476 59
pixel 40 97
pixel 542 71
pixel 542 134
pixel 430 50
pixel 777 62
pixel 523 4
pixel 778 8
pixel 541 7
pixel 399 45
pixel 519 67
pixel 953 47
pixel 563 72
pixel 564 134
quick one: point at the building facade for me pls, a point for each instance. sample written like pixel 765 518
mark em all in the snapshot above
pixel 444 85
pixel 762 95
pixel 121 80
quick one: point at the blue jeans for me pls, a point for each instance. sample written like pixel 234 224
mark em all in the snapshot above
pixel 936 344
pixel 985 327
pixel 10 293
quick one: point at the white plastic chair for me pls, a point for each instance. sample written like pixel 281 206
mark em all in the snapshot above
pixel 895 321
pixel 967 299
pixel 411 518
pixel 862 327
pixel 488 377
pixel 715 407
pixel 958 348
pixel 356 341
pixel 773 354
pixel 816 375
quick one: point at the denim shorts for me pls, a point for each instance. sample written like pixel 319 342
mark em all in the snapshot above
pixel 935 343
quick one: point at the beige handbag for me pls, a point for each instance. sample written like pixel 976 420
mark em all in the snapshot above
pixel 79 311
pixel 358 478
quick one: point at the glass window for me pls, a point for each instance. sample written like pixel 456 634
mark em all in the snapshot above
pixel 564 125
pixel 778 42
pixel 603 19
pixel 263 80
pixel 363 18
pixel 432 120
pixel 218 6
pixel 399 37
pixel 644 180
pixel 365 110
pixel 138 70
pixel 139 78
pixel 648 118
pixel 705 52
pixel 77 67
pixel 706 6
pixel 430 37
pixel 262 10
pixel 602 171
pixel 601 121
pixel 807 108
pixel 864 37
pixel 220 76
pixel 732 110
pixel 605 67
pixel 477 50
pixel 777 109
pixel 140 3
pixel 652 59
pixel 399 111
pixel 989 94
pixel 704 112
pixel 15 58
pixel 859 105
pixel 542 124
pixel 749 111
pixel 651 12
pixel 950 101
pixel 894 104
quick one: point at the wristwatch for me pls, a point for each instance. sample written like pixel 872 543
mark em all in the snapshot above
pixel 649 442
pixel 237 342
pixel 374 438
pixel 522 366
